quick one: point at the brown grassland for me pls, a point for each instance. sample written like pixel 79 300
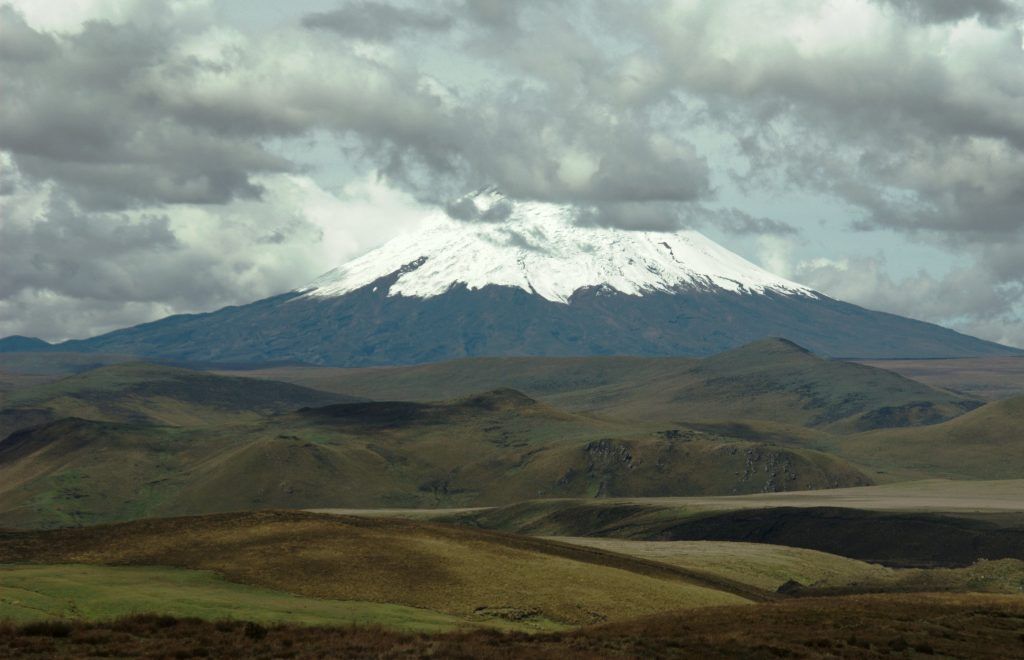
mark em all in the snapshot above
pixel 477 575
pixel 952 626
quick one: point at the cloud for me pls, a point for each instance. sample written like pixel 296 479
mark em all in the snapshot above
pixel 917 126
pixel 160 113
pixel 97 128
pixel 70 272
pixel 377 21
pixel 669 216
pixel 469 208
pixel 946 11
pixel 965 298
pixel 157 117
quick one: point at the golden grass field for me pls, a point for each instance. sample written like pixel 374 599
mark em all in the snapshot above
pixel 475 575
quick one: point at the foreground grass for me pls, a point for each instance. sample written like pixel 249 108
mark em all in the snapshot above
pixel 81 592
pixel 859 627
pixel 470 574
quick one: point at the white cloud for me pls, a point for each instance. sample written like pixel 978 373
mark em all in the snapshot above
pixel 964 299
pixel 70 15
pixel 71 273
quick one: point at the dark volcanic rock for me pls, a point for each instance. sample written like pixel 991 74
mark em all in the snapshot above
pixel 367 327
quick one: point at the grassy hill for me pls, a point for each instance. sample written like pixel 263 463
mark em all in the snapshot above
pixel 776 380
pixel 760 565
pixel 488 449
pixel 42 592
pixel 771 380
pixel 130 440
pixel 813 573
pixel 139 392
pixel 540 377
pixel 471 574
pixel 57 364
pixel 987 443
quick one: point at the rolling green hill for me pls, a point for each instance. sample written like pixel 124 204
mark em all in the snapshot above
pixel 82 592
pixel 144 393
pixel 771 380
pixel 810 572
pixel 776 380
pixel 488 449
pixel 987 443
pixel 990 378
pixel 133 440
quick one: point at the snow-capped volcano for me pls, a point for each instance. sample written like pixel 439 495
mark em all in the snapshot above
pixel 523 279
pixel 538 248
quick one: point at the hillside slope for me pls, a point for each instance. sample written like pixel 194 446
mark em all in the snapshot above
pixel 493 448
pixel 770 380
pixel 457 571
pixel 987 443
pixel 145 393
pixel 776 380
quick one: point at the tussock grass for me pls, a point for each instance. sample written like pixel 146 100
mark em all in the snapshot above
pixel 860 627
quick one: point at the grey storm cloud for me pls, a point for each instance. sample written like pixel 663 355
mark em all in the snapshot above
pixel 97 128
pixel 667 216
pixel 945 11
pixel 465 208
pixel 377 21
pixel 67 271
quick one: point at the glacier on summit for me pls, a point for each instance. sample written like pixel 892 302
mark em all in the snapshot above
pixel 537 247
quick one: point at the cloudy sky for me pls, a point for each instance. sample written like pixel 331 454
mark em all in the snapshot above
pixel 159 157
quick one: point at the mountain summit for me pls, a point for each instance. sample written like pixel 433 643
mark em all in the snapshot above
pixel 524 278
pixel 538 248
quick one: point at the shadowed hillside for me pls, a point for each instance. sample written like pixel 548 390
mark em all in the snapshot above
pixel 895 538
pixel 139 392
